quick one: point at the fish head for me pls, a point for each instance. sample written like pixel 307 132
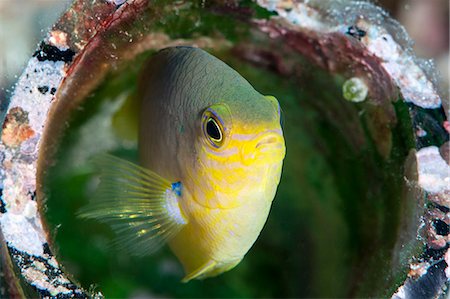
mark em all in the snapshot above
pixel 240 151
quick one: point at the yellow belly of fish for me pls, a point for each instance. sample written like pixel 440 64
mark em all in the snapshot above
pixel 216 240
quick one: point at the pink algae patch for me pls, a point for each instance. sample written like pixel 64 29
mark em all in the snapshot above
pixel 16 128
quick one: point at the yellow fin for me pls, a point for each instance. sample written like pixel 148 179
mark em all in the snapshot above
pixel 200 271
pixel 141 206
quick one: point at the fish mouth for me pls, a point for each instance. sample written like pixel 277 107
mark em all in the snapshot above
pixel 267 144
pixel 270 141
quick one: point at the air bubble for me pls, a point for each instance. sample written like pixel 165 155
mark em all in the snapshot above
pixel 355 90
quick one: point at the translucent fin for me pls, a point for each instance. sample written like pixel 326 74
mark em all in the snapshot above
pixel 125 121
pixel 140 206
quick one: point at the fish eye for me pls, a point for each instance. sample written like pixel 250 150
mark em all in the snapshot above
pixel 216 125
pixel 213 130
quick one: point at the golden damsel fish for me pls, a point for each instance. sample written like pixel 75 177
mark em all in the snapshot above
pixel 211 150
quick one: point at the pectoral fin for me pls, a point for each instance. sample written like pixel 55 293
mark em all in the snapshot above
pixel 141 206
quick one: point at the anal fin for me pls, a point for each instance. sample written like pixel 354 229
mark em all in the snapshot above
pixel 202 270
